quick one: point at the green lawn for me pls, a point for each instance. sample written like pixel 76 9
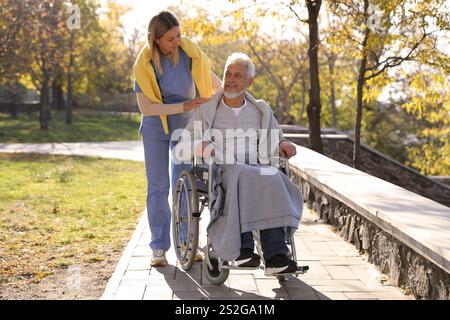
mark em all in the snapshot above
pixel 85 128
pixel 58 211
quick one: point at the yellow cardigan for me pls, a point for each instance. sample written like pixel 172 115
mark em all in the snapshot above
pixel 146 78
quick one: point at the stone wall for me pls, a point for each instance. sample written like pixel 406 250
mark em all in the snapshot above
pixel 340 148
pixel 442 179
pixel 405 267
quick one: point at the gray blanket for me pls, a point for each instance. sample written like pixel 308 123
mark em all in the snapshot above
pixel 244 200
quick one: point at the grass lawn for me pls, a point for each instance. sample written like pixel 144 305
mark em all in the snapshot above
pixel 85 128
pixel 58 211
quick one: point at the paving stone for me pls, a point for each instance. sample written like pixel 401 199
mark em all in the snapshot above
pixel 336 285
pixel 158 293
pixel 130 292
pixel 167 272
pixel 366 295
pixel 139 263
pixel 332 296
pixel 343 249
pixel 369 275
pixel 344 261
pixel 194 274
pixel 320 248
pixel 144 239
pixel 319 276
pixel 148 282
pixel 341 272
pixel 271 288
pixel 247 294
pixel 136 275
pixel 188 295
pixel 341 288
pixel 183 285
pixel 302 293
pixel 246 282
pixel 314 267
pixel 142 251
pixel 218 291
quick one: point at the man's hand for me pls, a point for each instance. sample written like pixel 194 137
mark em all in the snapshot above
pixel 205 150
pixel 287 149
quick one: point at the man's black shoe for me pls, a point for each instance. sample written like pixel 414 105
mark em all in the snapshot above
pixel 279 264
pixel 248 259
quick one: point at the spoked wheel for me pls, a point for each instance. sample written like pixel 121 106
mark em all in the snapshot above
pixel 185 227
pixel 214 275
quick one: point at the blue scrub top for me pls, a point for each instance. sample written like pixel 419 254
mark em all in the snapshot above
pixel 176 85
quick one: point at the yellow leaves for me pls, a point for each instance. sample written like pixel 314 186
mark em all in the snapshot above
pixel 375 86
pixel 430 102
pixel 26 80
pixel 430 97
pixel 431 158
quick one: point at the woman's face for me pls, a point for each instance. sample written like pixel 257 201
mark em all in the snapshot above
pixel 170 41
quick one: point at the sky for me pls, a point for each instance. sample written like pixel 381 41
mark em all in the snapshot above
pixel 143 10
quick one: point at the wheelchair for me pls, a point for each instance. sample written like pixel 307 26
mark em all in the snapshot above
pixel 190 197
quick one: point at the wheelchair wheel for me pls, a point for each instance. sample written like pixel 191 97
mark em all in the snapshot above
pixel 185 227
pixel 214 275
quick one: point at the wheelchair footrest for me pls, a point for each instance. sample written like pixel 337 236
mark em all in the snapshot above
pixel 239 268
pixel 231 266
pixel 303 268
pixel 300 270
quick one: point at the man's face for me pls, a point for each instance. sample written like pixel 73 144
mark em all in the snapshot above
pixel 236 80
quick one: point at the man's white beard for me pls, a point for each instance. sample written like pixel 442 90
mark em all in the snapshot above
pixel 233 95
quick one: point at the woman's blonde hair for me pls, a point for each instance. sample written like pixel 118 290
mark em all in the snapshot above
pixel 158 26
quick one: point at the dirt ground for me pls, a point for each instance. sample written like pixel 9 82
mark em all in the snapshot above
pixel 79 282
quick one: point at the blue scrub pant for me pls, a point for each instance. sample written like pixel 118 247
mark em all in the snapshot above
pixel 157 146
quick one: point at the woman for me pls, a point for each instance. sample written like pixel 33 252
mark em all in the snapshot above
pixel 169 72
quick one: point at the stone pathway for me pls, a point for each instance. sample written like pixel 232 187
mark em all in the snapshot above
pixel 127 150
pixel 337 271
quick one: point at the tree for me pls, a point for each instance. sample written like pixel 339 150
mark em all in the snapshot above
pixel 314 105
pixel 429 103
pixel 44 45
pixel 384 43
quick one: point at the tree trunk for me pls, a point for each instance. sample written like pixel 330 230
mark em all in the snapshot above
pixel 57 94
pixel 360 93
pixel 44 114
pixel 331 62
pixel 359 111
pixel 314 106
pixel 302 111
pixel 69 109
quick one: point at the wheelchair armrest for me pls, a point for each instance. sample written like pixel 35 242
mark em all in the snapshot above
pixel 284 166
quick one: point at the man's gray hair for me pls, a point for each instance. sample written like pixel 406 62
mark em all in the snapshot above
pixel 241 58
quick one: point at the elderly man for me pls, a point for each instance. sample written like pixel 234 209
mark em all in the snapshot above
pixel 242 136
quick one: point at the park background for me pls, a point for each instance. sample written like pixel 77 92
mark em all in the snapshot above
pixel 377 71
